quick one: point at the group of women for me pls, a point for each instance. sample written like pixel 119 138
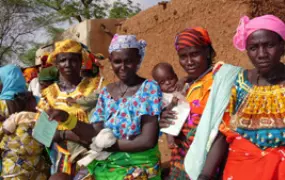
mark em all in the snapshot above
pixel 235 129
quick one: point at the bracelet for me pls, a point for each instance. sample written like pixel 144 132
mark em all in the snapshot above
pixel 70 123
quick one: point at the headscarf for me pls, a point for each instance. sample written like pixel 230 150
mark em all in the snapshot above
pixel 70 46
pixel 92 63
pixel 40 53
pixel 196 36
pixel 246 27
pixel 120 42
pixel 49 74
pixel 13 82
pixel 44 60
pixel 30 74
pixel 66 46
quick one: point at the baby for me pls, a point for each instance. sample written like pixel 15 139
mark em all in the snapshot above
pixel 88 103
pixel 168 81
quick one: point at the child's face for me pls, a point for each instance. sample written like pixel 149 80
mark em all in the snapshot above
pixel 167 80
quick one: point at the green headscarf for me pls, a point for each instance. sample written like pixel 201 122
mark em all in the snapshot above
pixel 49 74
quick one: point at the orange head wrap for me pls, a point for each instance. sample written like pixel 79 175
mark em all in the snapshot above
pixel 196 36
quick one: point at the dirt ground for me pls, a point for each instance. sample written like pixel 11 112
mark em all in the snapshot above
pixel 165 151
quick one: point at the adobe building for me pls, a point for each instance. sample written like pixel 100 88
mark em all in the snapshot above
pixel 159 25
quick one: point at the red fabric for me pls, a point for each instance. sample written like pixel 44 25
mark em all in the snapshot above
pixel 196 36
pixel 247 161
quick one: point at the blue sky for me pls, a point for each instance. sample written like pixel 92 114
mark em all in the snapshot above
pixel 147 3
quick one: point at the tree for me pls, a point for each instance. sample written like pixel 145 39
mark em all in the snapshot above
pixel 76 11
pixel 16 25
pixel 124 10
pixel 23 17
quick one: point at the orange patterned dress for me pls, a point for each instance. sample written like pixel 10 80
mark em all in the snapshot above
pixel 197 96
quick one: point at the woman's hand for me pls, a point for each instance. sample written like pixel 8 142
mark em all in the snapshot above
pixel 165 117
pixel 57 115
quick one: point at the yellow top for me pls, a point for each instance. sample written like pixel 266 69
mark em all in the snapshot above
pixel 53 97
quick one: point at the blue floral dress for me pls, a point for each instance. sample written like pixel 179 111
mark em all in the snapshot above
pixel 123 115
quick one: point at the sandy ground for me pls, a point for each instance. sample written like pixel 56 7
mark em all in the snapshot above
pixel 165 152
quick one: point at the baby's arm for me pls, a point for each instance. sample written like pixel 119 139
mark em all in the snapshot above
pixel 90 100
pixel 173 103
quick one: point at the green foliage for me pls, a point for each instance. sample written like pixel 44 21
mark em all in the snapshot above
pixel 54 32
pixel 20 19
pixel 124 10
pixel 28 57
pixel 16 25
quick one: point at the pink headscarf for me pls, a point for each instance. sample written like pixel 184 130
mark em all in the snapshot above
pixel 247 26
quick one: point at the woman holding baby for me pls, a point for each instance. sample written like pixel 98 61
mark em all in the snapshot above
pixel 129 109
pixel 196 56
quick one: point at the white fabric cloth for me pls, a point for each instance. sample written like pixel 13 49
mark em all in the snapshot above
pixel 208 127
pixel 103 140
pixel 34 87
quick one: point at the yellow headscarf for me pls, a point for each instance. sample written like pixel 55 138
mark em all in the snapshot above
pixel 67 46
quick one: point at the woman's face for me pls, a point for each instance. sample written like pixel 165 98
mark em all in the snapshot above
pixel 264 49
pixel 69 64
pixel 125 63
pixel 194 60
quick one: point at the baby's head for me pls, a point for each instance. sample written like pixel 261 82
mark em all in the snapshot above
pixel 165 76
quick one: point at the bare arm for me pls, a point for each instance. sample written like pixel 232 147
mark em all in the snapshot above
pixel 215 157
pixel 86 132
pixel 145 141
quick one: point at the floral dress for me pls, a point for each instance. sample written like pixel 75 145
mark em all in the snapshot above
pixel 123 117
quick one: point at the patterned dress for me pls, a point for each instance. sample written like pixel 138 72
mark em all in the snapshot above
pixel 4 112
pixel 256 132
pixel 123 116
pixel 21 154
pixel 197 96
pixel 53 97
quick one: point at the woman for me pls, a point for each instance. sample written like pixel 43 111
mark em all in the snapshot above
pixel 13 84
pixel 130 108
pixel 255 132
pixel 21 154
pixel 68 58
pixel 196 54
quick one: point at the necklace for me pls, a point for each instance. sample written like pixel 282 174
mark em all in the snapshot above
pixel 122 92
pixel 66 88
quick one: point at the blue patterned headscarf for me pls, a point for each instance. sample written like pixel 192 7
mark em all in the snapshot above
pixel 120 42
pixel 13 82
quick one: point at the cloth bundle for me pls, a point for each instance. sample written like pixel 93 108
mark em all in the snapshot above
pixel 104 139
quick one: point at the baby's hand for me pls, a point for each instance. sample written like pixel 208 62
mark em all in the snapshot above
pixel 70 101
